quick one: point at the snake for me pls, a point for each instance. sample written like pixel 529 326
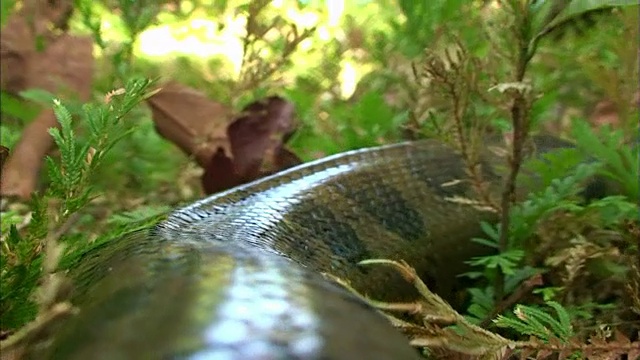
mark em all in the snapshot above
pixel 241 274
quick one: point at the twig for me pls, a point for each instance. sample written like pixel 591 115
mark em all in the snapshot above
pixel 524 289
pixel 520 118
pixel 449 76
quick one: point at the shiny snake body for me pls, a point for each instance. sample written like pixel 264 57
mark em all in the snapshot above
pixel 238 275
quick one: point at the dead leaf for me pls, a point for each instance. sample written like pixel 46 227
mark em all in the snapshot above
pixel 285 159
pixel 63 67
pixel 261 130
pixel 604 113
pixel 220 173
pixel 187 118
pixel 25 65
pixel 20 173
pixel 257 141
pixel 232 152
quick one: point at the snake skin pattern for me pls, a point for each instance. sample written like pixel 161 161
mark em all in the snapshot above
pixel 238 275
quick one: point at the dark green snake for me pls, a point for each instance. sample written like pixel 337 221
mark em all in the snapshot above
pixel 238 275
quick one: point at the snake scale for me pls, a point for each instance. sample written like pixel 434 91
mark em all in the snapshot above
pixel 238 275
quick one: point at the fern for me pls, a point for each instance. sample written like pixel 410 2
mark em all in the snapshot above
pixel 505 262
pixel 535 321
pixel 558 195
pixel 139 215
pixel 70 178
pixel 621 159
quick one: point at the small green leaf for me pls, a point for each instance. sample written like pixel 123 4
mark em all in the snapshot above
pixel 38 95
pixel 485 242
pixel 579 7
pixel 491 230
pixel 544 12
pixel 6 8
pixel 14 106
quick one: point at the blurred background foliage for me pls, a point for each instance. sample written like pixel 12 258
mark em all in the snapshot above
pixel 350 77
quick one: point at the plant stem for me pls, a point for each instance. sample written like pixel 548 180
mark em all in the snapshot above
pixel 520 119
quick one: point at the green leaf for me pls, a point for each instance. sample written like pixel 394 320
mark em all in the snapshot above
pixel 16 107
pixel 511 282
pixel 548 292
pixel 477 311
pixel 485 242
pixel 145 215
pixel 579 7
pixel 9 136
pixel 6 9
pixel 14 237
pixel 423 18
pixel 544 12
pixel 506 261
pixel 491 230
pixel 38 95
pixel 482 297
pixel 535 321
pixel 472 275
pixel 39 224
pixel 565 320
pixel 621 163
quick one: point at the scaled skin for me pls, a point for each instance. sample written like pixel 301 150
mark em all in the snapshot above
pixel 237 275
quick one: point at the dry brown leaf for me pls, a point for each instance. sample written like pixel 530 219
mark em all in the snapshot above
pixel 20 173
pixel 544 353
pixel 604 113
pixel 187 118
pixel 565 353
pixel 220 173
pixel 231 151
pixel 63 67
pixel 25 66
pixel 259 133
pixel 257 141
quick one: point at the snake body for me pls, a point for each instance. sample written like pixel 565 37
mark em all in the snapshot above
pixel 238 275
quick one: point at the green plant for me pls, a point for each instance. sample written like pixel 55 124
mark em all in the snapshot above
pixel 562 195
pixel 136 16
pixel 555 234
pixel 619 156
pixel 526 43
pixel 52 213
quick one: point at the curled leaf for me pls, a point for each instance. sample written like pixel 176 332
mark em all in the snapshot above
pixel 257 141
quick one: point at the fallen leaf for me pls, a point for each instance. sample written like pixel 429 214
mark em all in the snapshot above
pixel 20 172
pixel 220 173
pixel 604 113
pixel 262 128
pixel 231 151
pixel 187 118
pixel 257 139
pixel 24 64
pixel 64 67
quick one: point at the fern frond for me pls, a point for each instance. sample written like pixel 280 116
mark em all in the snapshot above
pixel 535 321
pixel 565 329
